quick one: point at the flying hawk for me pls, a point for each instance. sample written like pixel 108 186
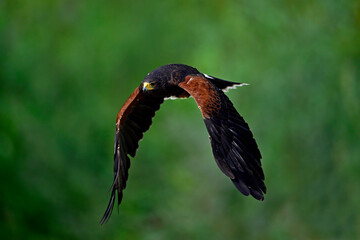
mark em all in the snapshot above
pixel 233 145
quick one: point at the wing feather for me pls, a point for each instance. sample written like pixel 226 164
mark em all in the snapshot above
pixel 134 118
pixel 234 147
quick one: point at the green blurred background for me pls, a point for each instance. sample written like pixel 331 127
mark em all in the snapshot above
pixel 66 68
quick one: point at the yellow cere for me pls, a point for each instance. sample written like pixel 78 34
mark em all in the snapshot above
pixel 148 86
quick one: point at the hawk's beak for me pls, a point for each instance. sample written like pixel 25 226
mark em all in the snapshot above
pixel 147 86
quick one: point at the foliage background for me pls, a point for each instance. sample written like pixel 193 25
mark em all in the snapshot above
pixel 66 67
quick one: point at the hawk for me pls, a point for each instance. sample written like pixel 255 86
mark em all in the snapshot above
pixel 233 145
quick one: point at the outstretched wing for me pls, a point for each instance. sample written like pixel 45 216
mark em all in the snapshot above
pixel 133 119
pixel 234 148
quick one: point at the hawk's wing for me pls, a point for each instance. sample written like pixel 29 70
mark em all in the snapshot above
pixel 133 119
pixel 234 148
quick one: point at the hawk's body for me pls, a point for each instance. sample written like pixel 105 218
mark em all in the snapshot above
pixel 234 148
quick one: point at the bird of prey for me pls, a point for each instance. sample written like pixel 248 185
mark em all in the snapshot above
pixel 234 148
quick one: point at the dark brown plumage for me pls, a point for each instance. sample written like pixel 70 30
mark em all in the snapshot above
pixel 234 148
